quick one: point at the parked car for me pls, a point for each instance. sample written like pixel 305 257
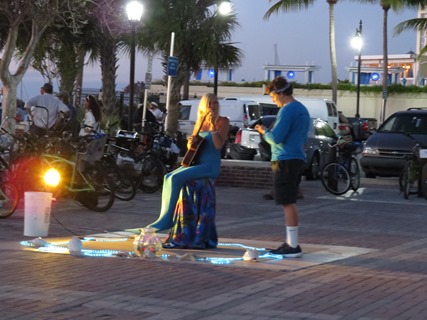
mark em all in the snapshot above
pixel 384 151
pixel 344 126
pixel 316 148
pixel 318 108
pixel 363 128
pixel 239 112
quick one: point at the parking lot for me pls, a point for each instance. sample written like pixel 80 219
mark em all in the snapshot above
pixel 381 273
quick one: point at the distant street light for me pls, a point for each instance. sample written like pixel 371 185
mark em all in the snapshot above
pixel 224 8
pixel 357 43
pixel 134 12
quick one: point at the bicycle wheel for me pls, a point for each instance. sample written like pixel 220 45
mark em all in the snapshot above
pixel 102 198
pixel 406 185
pixel 124 187
pixel 27 174
pixel 151 177
pixel 9 198
pixel 354 174
pixel 409 180
pixel 335 178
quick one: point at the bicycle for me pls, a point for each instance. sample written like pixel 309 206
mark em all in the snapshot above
pixel 413 179
pixel 137 159
pixel 81 178
pixel 9 194
pixel 343 173
pixel 124 185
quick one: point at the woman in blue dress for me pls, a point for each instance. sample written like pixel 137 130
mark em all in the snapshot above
pixel 214 129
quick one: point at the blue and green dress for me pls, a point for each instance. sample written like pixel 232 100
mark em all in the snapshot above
pixel 192 218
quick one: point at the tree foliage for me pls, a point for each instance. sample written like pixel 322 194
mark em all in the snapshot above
pixel 22 25
pixel 202 38
pixel 290 5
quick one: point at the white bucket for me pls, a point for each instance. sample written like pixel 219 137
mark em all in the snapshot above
pixel 37 207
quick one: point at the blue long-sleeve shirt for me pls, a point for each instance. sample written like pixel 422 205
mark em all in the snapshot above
pixel 289 132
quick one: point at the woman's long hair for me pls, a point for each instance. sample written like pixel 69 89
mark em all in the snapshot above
pixel 94 107
pixel 204 109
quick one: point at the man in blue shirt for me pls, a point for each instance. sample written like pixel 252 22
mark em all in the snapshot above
pixel 287 138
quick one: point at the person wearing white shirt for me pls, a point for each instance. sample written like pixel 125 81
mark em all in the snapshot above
pixel 92 119
pixel 154 108
pixel 45 110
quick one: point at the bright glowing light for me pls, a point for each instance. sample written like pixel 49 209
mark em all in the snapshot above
pixel 58 248
pixel 357 41
pixel 134 10
pixel 224 8
pixel 105 239
pixel 375 76
pixel 52 177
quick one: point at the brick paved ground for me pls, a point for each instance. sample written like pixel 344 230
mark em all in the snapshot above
pixel 390 283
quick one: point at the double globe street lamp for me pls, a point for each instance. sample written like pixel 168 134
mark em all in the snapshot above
pixel 134 12
pixel 357 43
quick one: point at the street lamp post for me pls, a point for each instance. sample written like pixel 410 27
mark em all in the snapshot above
pixel 224 8
pixel 357 43
pixel 134 12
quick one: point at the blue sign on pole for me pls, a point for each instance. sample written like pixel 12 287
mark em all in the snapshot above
pixel 172 66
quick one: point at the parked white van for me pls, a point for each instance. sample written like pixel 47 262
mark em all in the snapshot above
pixel 239 112
pixel 318 108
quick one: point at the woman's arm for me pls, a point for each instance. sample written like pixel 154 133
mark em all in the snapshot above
pixel 220 135
pixel 89 122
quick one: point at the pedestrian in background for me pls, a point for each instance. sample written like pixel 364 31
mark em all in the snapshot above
pixel 72 125
pixel 49 115
pixel 92 119
pixel 287 138
pixel 154 108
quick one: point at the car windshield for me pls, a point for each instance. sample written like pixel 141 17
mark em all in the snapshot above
pixel 254 111
pixel 266 121
pixel 184 112
pixel 323 129
pixel 406 123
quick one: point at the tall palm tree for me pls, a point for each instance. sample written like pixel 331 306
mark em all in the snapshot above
pixel 291 5
pixel 419 24
pixel 197 30
pixel 63 53
pixel 386 5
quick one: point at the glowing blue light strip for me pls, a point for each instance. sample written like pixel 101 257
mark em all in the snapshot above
pixel 26 244
pixel 53 249
pixel 100 239
pixel 269 255
pixel 223 244
pixel 109 253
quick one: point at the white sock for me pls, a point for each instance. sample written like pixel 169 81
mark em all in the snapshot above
pixel 292 236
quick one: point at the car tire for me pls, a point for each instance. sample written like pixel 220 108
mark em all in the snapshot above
pixel 313 170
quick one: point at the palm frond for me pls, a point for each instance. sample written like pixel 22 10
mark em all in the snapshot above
pixel 287 5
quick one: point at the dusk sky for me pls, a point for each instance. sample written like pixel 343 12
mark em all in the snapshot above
pixel 300 37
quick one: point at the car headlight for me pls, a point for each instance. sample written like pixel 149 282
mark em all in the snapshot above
pixel 370 151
